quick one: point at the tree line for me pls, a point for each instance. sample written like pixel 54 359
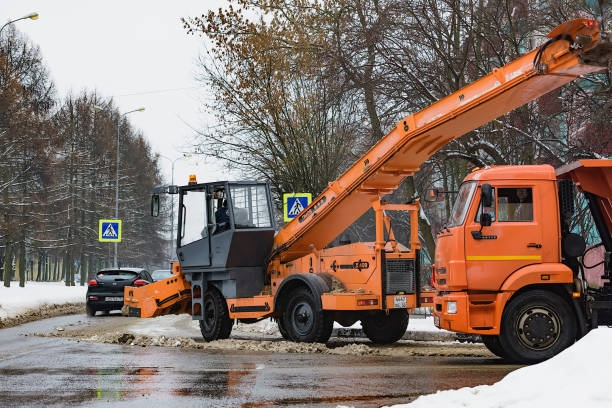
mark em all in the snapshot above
pixel 302 88
pixel 57 176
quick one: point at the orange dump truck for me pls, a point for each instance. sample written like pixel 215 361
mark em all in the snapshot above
pixel 234 265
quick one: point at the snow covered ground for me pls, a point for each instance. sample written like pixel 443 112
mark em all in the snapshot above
pixel 15 300
pixel 577 377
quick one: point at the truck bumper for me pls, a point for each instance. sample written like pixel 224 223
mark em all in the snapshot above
pixel 467 315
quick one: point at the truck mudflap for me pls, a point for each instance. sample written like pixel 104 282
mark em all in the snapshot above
pixel 168 296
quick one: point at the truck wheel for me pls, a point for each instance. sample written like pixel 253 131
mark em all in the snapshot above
pixel 536 325
pixel 215 323
pixel 385 328
pixel 303 321
pixel 494 346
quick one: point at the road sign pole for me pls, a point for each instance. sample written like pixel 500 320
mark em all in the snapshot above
pixel 117 185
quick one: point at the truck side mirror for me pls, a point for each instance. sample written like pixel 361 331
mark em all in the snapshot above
pixel 155 205
pixel 485 220
pixel 486 196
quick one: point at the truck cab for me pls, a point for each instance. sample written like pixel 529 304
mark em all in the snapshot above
pixel 508 266
pixel 503 235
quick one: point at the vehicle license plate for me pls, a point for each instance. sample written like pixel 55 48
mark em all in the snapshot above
pixel 399 302
pixel 114 299
pixel 437 321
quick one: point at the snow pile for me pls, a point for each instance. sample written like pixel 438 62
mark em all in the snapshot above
pixel 15 301
pixel 577 377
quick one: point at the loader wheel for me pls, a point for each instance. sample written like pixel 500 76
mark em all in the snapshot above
pixel 494 346
pixel 385 328
pixel 215 323
pixel 536 325
pixel 282 329
pixel 303 321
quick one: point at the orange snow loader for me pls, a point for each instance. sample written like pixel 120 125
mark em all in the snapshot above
pixel 238 266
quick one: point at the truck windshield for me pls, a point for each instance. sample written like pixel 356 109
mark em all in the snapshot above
pixel 464 197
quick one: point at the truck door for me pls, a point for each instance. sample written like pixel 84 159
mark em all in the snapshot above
pixel 513 240
pixel 193 248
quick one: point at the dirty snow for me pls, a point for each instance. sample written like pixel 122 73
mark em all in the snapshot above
pixel 577 377
pixel 15 301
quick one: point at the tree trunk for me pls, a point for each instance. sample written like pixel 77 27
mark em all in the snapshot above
pixel 83 266
pixel 21 262
pixel 8 264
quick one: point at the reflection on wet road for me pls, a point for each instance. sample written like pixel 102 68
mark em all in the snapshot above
pixel 38 371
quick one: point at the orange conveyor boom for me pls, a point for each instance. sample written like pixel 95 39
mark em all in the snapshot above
pixel 418 136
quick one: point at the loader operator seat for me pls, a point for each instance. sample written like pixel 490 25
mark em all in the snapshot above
pixel 241 218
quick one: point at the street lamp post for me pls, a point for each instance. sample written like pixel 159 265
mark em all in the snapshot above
pixel 31 16
pixel 172 202
pixel 117 173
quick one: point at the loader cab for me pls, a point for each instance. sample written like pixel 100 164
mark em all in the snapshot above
pixel 224 225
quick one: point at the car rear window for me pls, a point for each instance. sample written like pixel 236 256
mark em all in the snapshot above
pixel 116 275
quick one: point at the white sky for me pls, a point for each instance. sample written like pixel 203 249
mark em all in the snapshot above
pixel 120 47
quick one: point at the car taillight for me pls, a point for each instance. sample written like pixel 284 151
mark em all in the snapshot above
pixel 93 298
pixel 367 302
pixel 92 282
pixel 140 282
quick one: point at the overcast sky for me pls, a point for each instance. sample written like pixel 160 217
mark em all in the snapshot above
pixel 131 50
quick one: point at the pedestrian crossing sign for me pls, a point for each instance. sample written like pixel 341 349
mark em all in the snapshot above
pixel 295 203
pixel 109 231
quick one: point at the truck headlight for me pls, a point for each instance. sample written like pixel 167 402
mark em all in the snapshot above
pixel 451 307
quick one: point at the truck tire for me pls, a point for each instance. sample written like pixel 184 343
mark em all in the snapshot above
pixel 303 320
pixel 537 325
pixel 385 328
pixel 215 323
pixel 493 344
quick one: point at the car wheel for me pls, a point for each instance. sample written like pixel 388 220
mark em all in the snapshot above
pixel 215 323
pixel 303 321
pixel 385 328
pixel 537 325
pixel 90 311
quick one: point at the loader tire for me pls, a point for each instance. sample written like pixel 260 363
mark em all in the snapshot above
pixel 492 343
pixel 282 329
pixel 385 328
pixel 215 323
pixel 304 321
pixel 537 325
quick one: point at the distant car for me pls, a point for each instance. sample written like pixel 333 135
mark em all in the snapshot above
pixel 161 274
pixel 105 293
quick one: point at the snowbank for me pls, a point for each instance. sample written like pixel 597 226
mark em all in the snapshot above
pixel 15 300
pixel 577 377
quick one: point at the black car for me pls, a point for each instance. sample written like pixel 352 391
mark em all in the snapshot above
pixel 105 293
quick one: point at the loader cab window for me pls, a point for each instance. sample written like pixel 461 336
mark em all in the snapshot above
pixel 464 198
pixel 250 206
pixel 515 204
pixel 220 211
pixel 194 223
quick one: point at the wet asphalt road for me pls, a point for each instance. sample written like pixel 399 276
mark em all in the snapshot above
pixel 37 371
